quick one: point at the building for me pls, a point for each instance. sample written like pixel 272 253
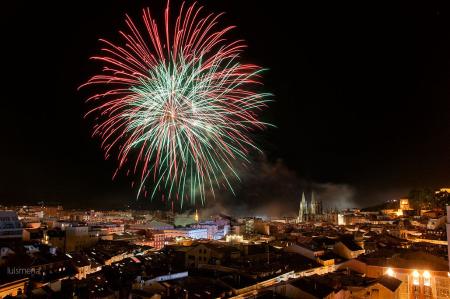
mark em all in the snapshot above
pixel 77 238
pixel 313 205
pixel 33 234
pixel 71 238
pixel 309 212
pixel 192 233
pixel 302 209
pixel 404 204
pixel 435 223
pixel 104 229
pixel 13 287
pixel 10 226
pixel 443 190
pixel 152 225
pixel 423 275
pixel 308 250
pixel 448 235
pixel 249 226
pixel 210 226
pixel 261 227
pixel 196 217
pixel 153 238
pixel 234 238
pixel 210 253
pixel 83 265
pixel 348 249
pixel 309 289
pixel 109 252
pixel 342 285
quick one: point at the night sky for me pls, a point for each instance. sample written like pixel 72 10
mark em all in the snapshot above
pixel 362 95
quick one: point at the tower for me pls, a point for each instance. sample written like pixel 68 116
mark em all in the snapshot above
pixel 196 218
pixel 302 209
pixel 320 207
pixel 313 204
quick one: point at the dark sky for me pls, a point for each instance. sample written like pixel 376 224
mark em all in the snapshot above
pixel 362 94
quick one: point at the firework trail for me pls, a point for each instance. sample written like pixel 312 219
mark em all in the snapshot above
pixel 176 107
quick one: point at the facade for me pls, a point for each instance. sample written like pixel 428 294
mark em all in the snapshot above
pixel 234 238
pixel 10 226
pixel 192 233
pixel 306 251
pixel 249 226
pixel 261 227
pixel 158 238
pixel 436 223
pixel 211 228
pixel 154 238
pixel 404 204
pixel 77 238
pixel 203 254
pixel 326 287
pixel 448 236
pixel 313 205
pixel 71 238
pixel 309 212
pixel 13 288
pixel 302 209
pixel 348 249
pixel 33 235
pixel 423 275
pixel 152 225
pixel 104 229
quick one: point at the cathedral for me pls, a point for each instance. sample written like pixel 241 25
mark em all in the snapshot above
pixel 309 212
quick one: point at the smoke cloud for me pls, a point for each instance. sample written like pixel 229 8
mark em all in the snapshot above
pixel 271 189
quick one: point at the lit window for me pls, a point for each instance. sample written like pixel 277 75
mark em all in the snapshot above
pixel 427 278
pixel 415 278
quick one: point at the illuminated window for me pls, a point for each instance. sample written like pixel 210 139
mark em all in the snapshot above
pixel 415 278
pixel 427 278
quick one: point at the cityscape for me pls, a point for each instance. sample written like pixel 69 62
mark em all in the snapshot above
pixel 160 149
pixel 398 249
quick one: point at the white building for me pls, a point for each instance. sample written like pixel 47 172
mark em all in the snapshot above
pixel 192 233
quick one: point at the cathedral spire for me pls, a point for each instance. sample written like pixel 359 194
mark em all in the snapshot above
pixel 302 209
pixel 313 204
pixel 196 218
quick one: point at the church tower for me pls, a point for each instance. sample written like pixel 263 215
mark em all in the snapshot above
pixel 196 218
pixel 302 209
pixel 313 204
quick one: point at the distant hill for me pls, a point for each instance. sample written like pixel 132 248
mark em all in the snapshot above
pixel 381 206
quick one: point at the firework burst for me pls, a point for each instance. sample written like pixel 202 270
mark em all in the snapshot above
pixel 177 108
